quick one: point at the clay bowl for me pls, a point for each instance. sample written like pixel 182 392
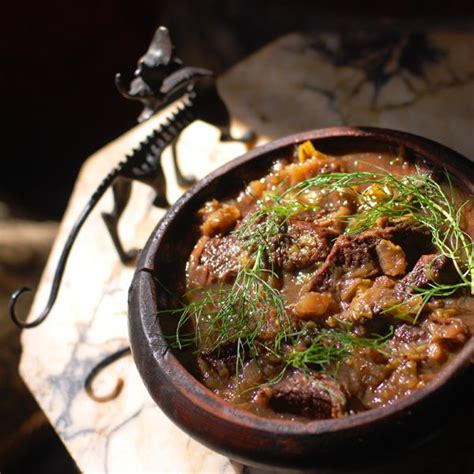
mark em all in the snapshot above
pixel 227 429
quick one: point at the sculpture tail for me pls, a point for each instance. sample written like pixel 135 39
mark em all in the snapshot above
pixel 58 275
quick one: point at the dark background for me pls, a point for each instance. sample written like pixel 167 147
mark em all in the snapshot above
pixel 58 61
pixel 59 104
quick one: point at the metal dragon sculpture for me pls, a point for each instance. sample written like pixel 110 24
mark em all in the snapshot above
pixel 159 80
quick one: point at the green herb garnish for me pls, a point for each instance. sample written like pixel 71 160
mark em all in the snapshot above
pixel 233 314
pixel 415 198
pixel 327 349
pixel 237 313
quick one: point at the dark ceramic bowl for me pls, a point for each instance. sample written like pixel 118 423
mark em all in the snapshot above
pixel 227 429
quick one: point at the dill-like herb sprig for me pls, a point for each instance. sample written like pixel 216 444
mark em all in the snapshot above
pixel 417 198
pixel 273 212
pixel 233 314
pixel 422 200
pixel 237 313
pixel 328 348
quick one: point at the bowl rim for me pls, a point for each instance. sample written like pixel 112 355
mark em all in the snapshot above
pixel 196 392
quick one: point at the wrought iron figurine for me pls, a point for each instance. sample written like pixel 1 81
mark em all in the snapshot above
pixel 159 80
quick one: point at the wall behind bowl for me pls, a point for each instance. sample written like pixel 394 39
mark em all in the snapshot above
pixel 58 61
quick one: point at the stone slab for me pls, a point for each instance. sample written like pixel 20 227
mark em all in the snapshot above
pixel 296 83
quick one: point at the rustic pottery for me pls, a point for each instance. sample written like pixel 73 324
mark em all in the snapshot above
pixel 227 429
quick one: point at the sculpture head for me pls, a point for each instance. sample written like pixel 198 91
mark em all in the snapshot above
pixel 158 63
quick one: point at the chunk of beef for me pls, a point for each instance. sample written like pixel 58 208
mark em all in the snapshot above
pixel 222 360
pixel 214 259
pixel 355 256
pixel 428 268
pixel 410 343
pixel 313 395
pixel 302 245
pixel 349 256
pixel 409 334
pixel 431 342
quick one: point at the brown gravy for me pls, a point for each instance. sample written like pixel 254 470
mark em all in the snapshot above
pixel 309 301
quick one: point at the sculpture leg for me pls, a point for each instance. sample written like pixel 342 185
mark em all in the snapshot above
pixel 248 137
pixel 182 179
pixel 157 181
pixel 121 190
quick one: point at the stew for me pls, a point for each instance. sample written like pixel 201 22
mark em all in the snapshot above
pixel 332 285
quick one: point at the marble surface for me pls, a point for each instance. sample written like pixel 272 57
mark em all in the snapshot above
pixel 296 83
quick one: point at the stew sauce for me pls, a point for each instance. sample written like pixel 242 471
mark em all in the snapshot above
pixel 321 290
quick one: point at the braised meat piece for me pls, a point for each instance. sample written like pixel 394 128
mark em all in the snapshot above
pixel 214 259
pixel 429 343
pixel 428 268
pixel 410 343
pixel 409 334
pixel 366 255
pixel 353 256
pixel 302 245
pixel 348 253
pixel 222 360
pixel 313 395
